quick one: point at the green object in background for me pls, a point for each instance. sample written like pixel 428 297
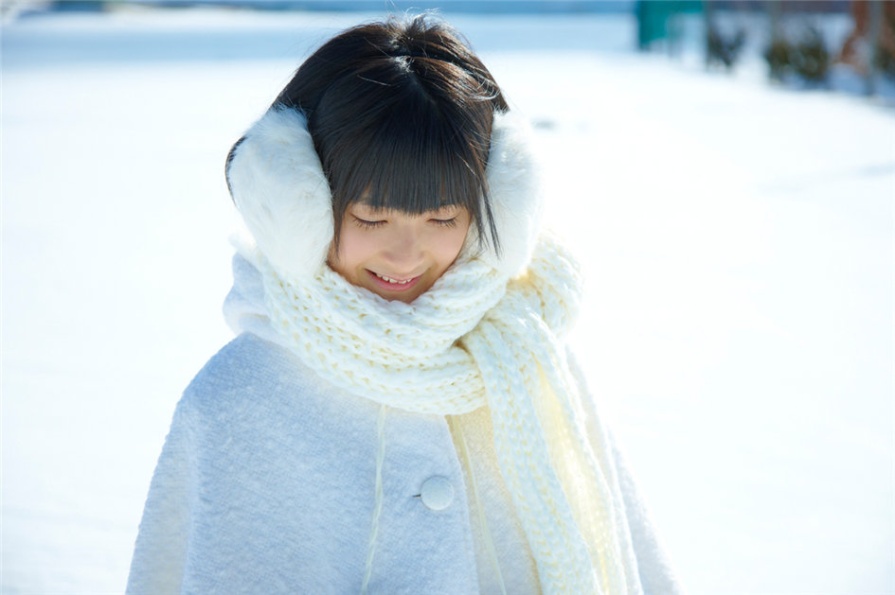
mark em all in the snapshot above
pixel 653 18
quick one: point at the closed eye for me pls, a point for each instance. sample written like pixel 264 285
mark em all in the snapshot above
pixel 452 222
pixel 366 224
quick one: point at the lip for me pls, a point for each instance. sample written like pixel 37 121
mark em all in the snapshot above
pixel 394 287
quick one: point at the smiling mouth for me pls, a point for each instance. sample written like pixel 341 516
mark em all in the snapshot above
pixel 394 281
pixel 392 284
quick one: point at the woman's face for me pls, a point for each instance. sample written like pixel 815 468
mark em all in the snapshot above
pixel 396 255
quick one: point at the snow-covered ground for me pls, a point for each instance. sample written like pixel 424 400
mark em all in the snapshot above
pixel 738 240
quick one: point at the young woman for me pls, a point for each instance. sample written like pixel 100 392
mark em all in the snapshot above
pixel 398 412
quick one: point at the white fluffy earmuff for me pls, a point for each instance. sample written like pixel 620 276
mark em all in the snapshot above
pixel 514 192
pixel 279 188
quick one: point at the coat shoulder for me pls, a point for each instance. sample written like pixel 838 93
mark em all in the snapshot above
pixel 245 371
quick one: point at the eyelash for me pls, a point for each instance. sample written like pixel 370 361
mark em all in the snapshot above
pixel 364 224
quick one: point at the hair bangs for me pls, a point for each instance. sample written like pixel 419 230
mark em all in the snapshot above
pixel 416 166
pixel 407 152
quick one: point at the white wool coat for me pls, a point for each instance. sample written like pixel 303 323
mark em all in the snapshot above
pixel 267 478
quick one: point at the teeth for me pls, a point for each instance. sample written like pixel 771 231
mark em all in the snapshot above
pixel 390 280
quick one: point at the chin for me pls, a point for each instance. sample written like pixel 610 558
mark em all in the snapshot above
pixel 398 297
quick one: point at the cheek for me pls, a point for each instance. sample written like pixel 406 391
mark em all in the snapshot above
pixel 351 255
pixel 354 247
pixel 450 244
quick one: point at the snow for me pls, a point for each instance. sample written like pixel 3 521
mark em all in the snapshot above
pixel 738 240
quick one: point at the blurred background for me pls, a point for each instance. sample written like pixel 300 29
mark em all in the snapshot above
pixel 724 169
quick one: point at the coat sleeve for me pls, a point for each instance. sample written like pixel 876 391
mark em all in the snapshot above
pixel 653 567
pixel 163 540
pixel 656 574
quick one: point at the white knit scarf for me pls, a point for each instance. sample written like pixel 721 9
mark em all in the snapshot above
pixel 479 338
pixel 476 340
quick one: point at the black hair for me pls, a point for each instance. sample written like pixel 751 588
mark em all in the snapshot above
pixel 400 113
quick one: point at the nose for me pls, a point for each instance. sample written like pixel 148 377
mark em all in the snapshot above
pixel 405 250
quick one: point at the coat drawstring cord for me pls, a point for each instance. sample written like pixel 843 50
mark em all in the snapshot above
pixel 377 510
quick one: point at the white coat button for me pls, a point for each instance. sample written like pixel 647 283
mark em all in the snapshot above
pixel 437 492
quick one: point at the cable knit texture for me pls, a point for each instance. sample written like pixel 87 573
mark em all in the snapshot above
pixel 489 333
